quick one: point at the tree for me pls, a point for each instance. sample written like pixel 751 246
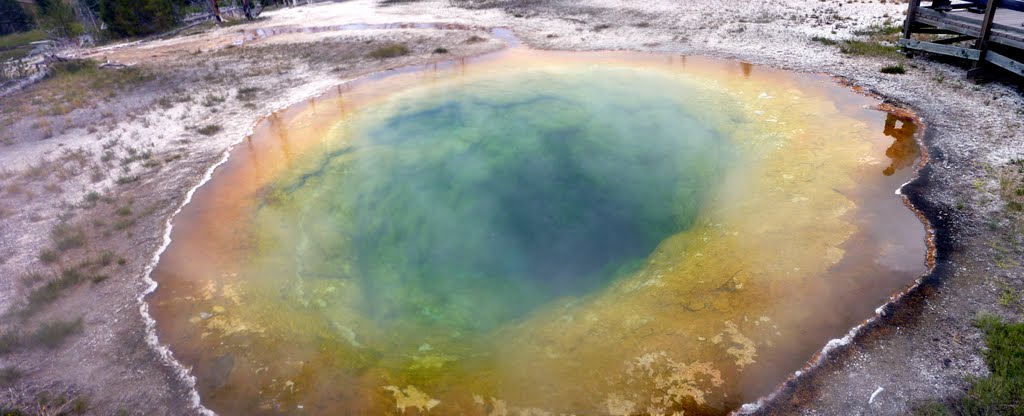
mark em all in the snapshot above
pixel 58 19
pixel 43 5
pixel 92 5
pixel 88 12
pixel 137 17
pixel 13 18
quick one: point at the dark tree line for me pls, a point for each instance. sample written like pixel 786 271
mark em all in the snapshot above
pixel 65 19
pixel 13 18
pixel 139 17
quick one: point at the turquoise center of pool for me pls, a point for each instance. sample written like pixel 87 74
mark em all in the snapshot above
pixel 471 209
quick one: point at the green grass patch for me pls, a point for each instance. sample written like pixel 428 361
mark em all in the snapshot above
pixel 21 39
pixel 1008 297
pixel 53 334
pixel 1011 188
pixel 933 409
pixel 73 85
pixel 1002 392
pixel 9 376
pixel 73 66
pixel 880 31
pixel 389 51
pixel 893 69
pixel 867 48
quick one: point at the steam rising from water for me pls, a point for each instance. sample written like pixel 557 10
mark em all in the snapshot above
pixel 590 234
pixel 467 209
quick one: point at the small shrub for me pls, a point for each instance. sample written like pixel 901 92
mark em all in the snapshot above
pixel 32 278
pixel 441 50
pixel 107 156
pixel 933 409
pixel 9 376
pixel 80 405
pixel 92 198
pixel 389 51
pixel 824 41
pixel 52 290
pixel 893 69
pixel 9 341
pixel 67 236
pixel 123 223
pixel 165 103
pixel 1008 296
pixel 48 256
pixel 73 66
pixel 53 334
pixel 209 129
pixel 475 39
pixel 211 100
pixel 14 188
pixel 105 258
pixel 52 188
pixel 247 93
pixel 127 179
pixel 124 211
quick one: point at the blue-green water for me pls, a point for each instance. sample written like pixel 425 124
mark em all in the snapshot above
pixel 541 232
pixel 466 210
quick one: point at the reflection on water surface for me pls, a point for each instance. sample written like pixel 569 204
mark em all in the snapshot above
pixel 540 233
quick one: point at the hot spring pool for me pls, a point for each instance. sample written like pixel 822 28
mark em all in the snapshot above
pixel 540 233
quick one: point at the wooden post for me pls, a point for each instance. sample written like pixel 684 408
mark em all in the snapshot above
pixel 982 43
pixel 908 25
pixel 215 10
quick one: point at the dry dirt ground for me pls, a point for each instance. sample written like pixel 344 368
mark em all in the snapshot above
pixel 93 164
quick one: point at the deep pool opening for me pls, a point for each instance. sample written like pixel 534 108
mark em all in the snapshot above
pixel 472 210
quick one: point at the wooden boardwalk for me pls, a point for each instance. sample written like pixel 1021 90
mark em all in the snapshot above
pixel 985 32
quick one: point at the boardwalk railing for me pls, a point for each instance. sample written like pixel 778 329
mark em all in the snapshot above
pixel 981 31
